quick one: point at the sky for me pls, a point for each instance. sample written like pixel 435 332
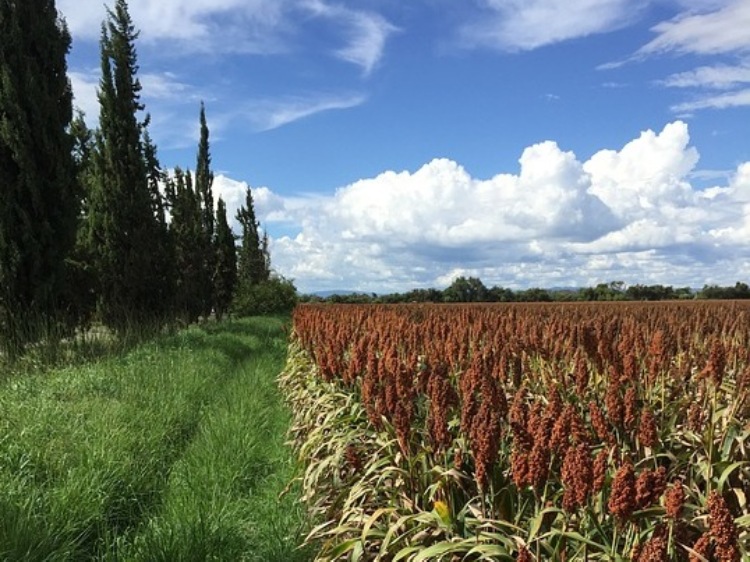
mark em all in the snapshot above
pixel 392 145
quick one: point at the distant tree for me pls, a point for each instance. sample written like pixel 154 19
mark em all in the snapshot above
pixel 204 179
pixel 739 291
pixel 500 294
pixel 422 295
pixel 650 292
pixel 465 289
pixel 253 258
pixel 274 295
pixel 684 293
pixel 122 222
pixel 612 291
pixel 535 294
pixel 38 203
pixel 225 268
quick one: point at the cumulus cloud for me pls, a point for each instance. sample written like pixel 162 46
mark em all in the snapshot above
pixel 518 25
pixel 647 174
pixel 628 214
pixel 270 208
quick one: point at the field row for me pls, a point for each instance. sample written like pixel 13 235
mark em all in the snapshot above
pixel 547 432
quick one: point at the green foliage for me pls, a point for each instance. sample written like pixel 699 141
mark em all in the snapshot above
pixel 174 451
pixel 161 246
pixel 122 221
pixel 204 179
pixel 253 260
pixel 466 290
pixel 186 232
pixel 225 271
pixel 739 291
pixel 38 203
pixel 267 297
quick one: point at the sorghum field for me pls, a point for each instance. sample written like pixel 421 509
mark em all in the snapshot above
pixel 524 432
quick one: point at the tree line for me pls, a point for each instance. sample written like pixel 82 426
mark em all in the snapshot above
pixel 472 289
pixel 92 227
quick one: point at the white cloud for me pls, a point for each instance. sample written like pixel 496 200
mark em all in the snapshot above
pixel 172 102
pixel 168 87
pixel 627 214
pixel 190 25
pixel 739 98
pixel 709 28
pixel 367 32
pixel 723 30
pixel 271 210
pixel 648 173
pixel 268 114
pixel 517 25
pixel 717 77
pixel 236 26
pixel 85 85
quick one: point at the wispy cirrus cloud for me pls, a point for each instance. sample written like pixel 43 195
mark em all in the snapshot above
pixel 367 32
pixel 237 26
pixel 710 29
pixel 268 114
pixel 739 98
pixel 718 77
pixel 521 25
pixel 723 30
pixel 172 32
pixel 212 26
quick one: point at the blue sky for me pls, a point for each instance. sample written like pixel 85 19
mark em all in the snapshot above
pixel 393 145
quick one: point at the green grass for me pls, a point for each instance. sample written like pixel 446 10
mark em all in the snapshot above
pixel 173 451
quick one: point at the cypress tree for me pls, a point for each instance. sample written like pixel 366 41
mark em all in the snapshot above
pixel 38 203
pixel 204 179
pixel 81 280
pixel 162 244
pixel 253 258
pixel 225 272
pixel 122 222
pixel 187 236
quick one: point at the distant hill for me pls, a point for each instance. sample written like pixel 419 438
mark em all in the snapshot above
pixel 340 292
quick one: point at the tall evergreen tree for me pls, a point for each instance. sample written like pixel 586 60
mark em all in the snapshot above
pixel 81 281
pixel 162 245
pixel 204 179
pixel 253 259
pixel 225 271
pixel 187 238
pixel 122 222
pixel 38 204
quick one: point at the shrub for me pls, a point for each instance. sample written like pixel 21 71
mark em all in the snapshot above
pixel 267 297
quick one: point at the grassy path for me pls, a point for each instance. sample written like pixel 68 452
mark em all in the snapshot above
pixel 173 451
